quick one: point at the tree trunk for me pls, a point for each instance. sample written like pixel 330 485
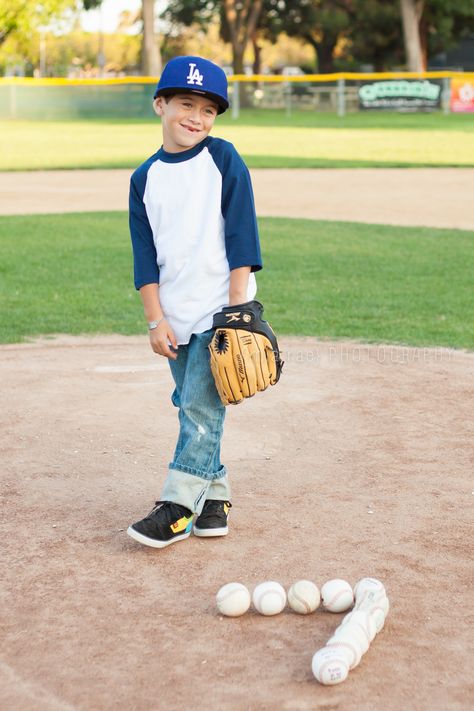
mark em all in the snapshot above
pixel 257 54
pixel 238 67
pixel 411 15
pixel 424 30
pixel 325 58
pixel 242 19
pixel 151 58
pixel 324 53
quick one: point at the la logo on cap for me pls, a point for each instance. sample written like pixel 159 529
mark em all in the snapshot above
pixel 194 77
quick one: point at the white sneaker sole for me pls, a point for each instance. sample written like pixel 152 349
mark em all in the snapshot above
pixel 152 542
pixel 210 532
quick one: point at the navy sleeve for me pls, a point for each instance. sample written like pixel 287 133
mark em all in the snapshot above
pixel 146 270
pixel 238 208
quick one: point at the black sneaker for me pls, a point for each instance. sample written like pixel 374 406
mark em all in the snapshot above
pixel 166 523
pixel 213 519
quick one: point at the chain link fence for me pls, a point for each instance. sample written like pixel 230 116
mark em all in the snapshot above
pixel 131 97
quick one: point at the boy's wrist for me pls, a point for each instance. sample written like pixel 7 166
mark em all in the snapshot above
pixel 236 299
pixel 155 323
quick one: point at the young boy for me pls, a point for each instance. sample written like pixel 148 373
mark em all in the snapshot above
pixel 196 248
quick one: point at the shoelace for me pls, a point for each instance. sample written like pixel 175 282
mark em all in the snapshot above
pixel 158 505
pixel 162 504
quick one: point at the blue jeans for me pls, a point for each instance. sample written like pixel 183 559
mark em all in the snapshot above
pixel 196 472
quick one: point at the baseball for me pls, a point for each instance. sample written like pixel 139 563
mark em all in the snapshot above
pixel 379 613
pixel 370 598
pixel 377 606
pixel 304 597
pixel 349 647
pixel 269 598
pixel 329 666
pixel 352 631
pixel 368 585
pixel 233 600
pixel 364 621
pixel 337 595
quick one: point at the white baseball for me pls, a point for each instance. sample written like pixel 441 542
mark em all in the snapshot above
pixel 370 598
pixel 363 620
pixel 366 585
pixel 352 631
pixel 269 598
pixel 379 613
pixel 233 599
pixel 337 595
pixel 384 603
pixel 376 606
pixel 329 666
pixel 304 597
pixel 349 647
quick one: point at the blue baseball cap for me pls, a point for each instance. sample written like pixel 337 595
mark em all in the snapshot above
pixel 197 76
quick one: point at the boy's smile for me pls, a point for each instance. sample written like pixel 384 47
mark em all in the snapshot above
pixel 186 120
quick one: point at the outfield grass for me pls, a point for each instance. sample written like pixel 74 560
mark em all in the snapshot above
pixel 271 140
pixel 73 274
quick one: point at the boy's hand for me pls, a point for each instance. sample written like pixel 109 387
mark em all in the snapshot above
pixel 163 340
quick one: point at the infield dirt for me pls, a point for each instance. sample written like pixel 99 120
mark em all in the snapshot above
pixel 359 462
pixel 427 197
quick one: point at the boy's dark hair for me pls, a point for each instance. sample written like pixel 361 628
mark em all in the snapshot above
pixel 167 97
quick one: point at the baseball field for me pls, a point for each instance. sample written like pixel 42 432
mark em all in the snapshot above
pixel 359 462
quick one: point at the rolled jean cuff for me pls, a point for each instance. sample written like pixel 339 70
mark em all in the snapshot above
pixel 202 473
pixel 185 489
pixel 219 490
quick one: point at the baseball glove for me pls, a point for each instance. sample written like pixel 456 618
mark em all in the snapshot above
pixel 244 352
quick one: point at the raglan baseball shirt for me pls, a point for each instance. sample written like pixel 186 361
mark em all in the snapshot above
pixel 192 220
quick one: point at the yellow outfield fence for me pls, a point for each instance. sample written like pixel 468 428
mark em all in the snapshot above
pixel 130 97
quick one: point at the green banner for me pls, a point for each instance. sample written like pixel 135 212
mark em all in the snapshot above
pixel 401 95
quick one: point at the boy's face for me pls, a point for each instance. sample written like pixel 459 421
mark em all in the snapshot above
pixel 186 120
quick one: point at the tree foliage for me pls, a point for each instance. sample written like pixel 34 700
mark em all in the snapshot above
pixel 343 33
pixel 444 23
pixel 239 20
pixel 321 23
pixel 22 17
pixel 374 36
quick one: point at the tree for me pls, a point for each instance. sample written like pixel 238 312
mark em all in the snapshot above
pixel 151 57
pixel 433 26
pixel 374 36
pixel 239 21
pixel 91 4
pixel 23 17
pixel 321 23
pixel 412 11
pixel 443 24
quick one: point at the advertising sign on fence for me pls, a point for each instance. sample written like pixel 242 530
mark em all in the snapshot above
pixel 401 95
pixel 462 95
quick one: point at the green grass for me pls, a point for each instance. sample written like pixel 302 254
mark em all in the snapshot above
pixel 362 119
pixel 73 274
pixel 266 140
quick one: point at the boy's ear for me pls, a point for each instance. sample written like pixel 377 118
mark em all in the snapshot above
pixel 158 105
